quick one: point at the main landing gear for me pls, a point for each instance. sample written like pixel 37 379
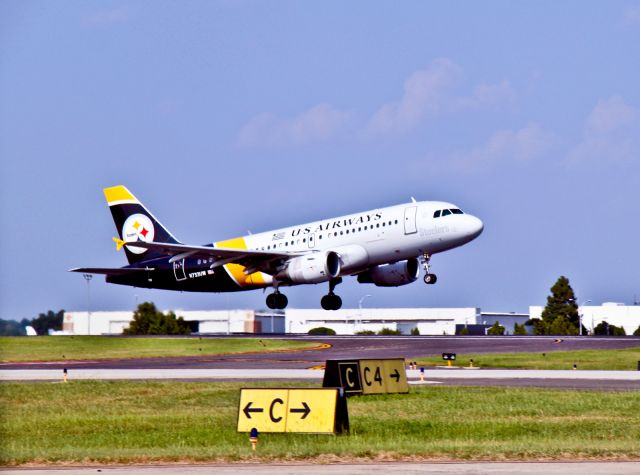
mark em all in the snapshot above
pixel 332 301
pixel 428 277
pixel 277 300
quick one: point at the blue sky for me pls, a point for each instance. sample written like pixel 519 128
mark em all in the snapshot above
pixel 230 116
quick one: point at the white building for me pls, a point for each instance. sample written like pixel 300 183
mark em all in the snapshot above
pixel 202 321
pixel 348 321
pixel 428 321
pixel 618 314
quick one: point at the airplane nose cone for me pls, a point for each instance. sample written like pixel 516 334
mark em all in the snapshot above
pixel 474 227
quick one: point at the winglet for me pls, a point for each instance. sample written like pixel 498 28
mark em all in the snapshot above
pixel 119 243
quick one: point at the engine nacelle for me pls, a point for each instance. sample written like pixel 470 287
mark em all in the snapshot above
pixel 392 275
pixel 353 258
pixel 311 268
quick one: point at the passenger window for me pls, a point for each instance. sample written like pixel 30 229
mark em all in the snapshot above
pixel 446 212
pixel 436 214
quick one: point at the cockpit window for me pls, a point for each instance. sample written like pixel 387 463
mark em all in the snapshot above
pixel 446 212
pixel 436 214
pixel 456 211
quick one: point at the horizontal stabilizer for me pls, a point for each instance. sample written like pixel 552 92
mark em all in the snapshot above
pixel 111 271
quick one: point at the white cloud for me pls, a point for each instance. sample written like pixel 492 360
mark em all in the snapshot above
pixel 424 93
pixel 632 16
pixel 489 95
pixel 107 17
pixel 611 133
pixel 320 123
pixel 526 144
pixel 427 93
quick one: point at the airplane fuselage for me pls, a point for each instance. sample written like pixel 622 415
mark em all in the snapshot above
pixel 368 239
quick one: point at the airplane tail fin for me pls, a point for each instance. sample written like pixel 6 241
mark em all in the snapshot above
pixel 135 223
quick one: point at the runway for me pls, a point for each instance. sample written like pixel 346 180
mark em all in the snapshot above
pixel 433 468
pixel 350 347
pixel 296 365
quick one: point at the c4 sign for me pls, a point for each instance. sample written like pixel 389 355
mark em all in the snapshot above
pixel 320 411
pixel 367 376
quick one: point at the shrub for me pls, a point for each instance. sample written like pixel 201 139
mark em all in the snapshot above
pixel 322 331
pixel 366 332
pixel 389 331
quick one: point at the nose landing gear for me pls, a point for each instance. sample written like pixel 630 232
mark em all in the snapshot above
pixel 332 301
pixel 429 278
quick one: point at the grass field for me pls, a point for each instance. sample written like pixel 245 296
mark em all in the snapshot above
pixel 147 422
pixel 60 348
pixel 626 359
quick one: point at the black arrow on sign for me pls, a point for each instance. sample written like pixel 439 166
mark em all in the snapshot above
pixel 305 410
pixel 248 410
pixel 396 375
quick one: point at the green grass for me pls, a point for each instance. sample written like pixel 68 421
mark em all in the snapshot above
pixel 61 348
pixel 149 422
pixel 625 359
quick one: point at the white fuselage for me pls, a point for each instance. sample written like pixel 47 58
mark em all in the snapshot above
pixel 379 236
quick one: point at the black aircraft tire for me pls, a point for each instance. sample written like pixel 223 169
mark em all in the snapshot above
pixel 336 302
pixel 281 301
pixel 325 302
pixel 430 279
pixel 272 300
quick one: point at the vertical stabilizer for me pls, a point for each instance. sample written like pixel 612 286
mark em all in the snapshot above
pixel 134 222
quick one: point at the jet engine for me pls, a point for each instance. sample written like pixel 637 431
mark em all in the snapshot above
pixel 311 268
pixel 391 275
pixel 353 258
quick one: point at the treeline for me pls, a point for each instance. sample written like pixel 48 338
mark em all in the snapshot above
pixel 41 324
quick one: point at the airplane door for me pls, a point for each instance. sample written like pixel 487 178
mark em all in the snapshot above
pixel 410 220
pixel 178 270
pixel 312 240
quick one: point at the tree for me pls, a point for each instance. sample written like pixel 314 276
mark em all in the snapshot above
pixel 464 331
pixel 13 327
pixel 519 329
pixel 496 329
pixel 389 331
pixel 637 332
pixel 147 320
pixel 48 321
pixel 561 303
pixel 415 331
pixel 604 328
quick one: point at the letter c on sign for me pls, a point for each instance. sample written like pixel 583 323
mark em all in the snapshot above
pixel 279 401
pixel 347 373
pixel 366 373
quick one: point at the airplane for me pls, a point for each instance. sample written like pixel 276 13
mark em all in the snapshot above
pixel 384 247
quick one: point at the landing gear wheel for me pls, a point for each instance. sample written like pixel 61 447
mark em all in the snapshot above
pixel 331 302
pixel 271 301
pixel 277 301
pixel 281 301
pixel 430 278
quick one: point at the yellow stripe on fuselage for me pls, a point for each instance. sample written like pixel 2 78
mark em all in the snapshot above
pixel 118 194
pixel 236 270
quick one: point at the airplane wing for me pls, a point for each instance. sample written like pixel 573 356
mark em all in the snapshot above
pixel 111 270
pixel 209 251
pixel 258 260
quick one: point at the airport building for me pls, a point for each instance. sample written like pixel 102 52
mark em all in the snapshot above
pixel 425 321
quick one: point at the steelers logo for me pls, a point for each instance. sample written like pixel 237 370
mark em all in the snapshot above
pixel 137 227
